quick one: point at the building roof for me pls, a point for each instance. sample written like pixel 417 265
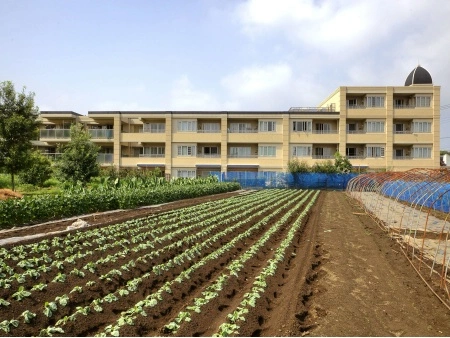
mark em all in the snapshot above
pixel 419 75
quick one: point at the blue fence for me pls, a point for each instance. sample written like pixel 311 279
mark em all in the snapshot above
pixel 271 179
pixel 435 195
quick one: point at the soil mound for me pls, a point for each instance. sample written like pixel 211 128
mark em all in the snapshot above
pixel 8 193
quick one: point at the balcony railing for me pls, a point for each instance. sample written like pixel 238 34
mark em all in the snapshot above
pixel 152 155
pixel 317 131
pixel 408 157
pixel 52 156
pixel 243 131
pixel 242 156
pixel 408 106
pixel 321 157
pixel 153 131
pixel 208 155
pixel 105 158
pixel 355 157
pixel 403 132
pixel 101 133
pixel 55 133
pixel 359 106
pixel 203 131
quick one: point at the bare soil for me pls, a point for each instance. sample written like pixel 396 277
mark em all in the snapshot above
pixel 345 277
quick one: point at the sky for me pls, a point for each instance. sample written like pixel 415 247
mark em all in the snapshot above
pixel 84 55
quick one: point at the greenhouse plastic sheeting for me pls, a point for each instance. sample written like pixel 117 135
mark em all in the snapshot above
pixel 268 179
pixel 434 195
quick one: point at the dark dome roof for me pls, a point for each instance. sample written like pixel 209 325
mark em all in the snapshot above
pixel 418 75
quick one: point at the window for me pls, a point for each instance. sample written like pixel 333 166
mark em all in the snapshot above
pixel 399 128
pixel 422 152
pixel 267 126
pixel 302 126
pixel 211 127
pixel 187 126
pixel 423 101
pixel 351 128
pixel 422 127
pixel 352 103
pixel 240 127
pixel 375 101
pixel 154 128
pixel 267 151
pixel 323 128
pixel 375 151
pixel 375 126
pixel 152 152
pixel 186 173
pixel 399 153
pixel 210 151
pixel 186 150
pixel 321 152
pixel 350 152
pixel 301 151
pixel 398 103
pixel 240 151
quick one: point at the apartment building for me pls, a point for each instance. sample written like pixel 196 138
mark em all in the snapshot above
pixel 383 127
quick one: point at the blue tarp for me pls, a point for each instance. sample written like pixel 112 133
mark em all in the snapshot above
pixel 271 179
pixel 434 195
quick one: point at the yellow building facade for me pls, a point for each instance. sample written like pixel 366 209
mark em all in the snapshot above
pixel 376 128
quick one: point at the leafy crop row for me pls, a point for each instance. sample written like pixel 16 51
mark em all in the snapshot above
pixel 51 261
pixel 32 209
pixel 128 317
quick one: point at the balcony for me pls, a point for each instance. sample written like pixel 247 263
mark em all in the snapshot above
pixel 242 156
pixel 153 155
pixel 323 157
pixel 402 157
pixel 202 131
pixel 52 156
pixel 54 134
pixel 208 155
pixel 325 132
pixel 102 133
pixel 105 158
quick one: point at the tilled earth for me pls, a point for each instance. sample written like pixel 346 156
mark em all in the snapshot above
pixel 347 278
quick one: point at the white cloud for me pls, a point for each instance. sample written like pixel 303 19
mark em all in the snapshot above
pixel 337 27
pixel 257 80
pixel 185 97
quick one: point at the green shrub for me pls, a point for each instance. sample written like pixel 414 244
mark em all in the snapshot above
pixel 39 170
pixel 326 167
pixel 5 181
pixel 51 182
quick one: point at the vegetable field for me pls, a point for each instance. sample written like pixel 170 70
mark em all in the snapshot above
pixel 199 270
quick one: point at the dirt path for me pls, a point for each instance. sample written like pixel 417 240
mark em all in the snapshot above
pixel 365 285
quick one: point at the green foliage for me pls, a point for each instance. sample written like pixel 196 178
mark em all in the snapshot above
pixel 78 162
pixel 296 166
pixel 4 181
pixel 342 163
pixel 80 200
pixel 18 127
pixel 51 182
pixel 39 170
pixel 324 167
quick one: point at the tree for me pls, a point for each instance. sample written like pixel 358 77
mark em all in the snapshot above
pixel 18 127
pixel 78 161
pixel 342 163
pixel 39 171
